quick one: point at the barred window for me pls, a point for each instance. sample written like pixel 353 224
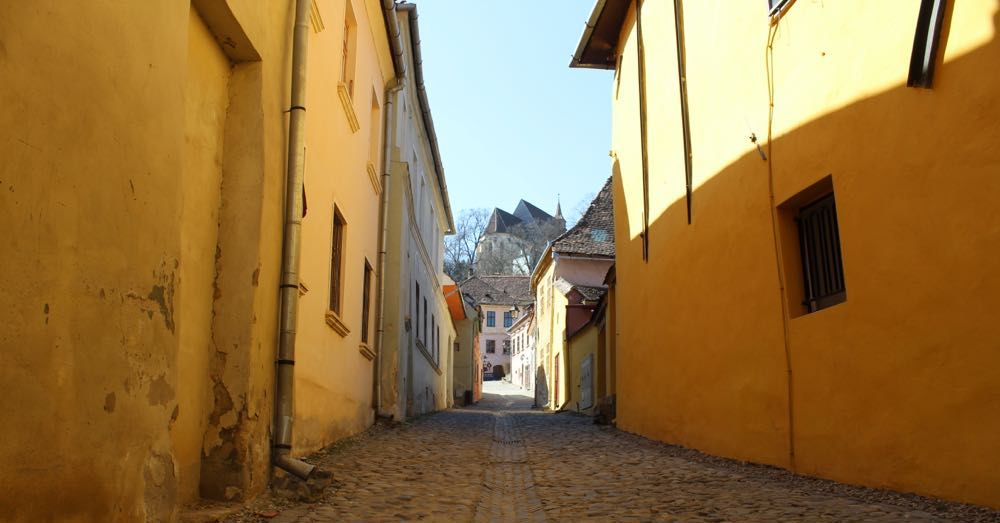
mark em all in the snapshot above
pixel 822 265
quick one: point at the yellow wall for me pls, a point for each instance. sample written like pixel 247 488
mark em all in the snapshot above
pixel 334 376
pixel 143 235
pixel 896 387
pixel 581 345
pixel 550 316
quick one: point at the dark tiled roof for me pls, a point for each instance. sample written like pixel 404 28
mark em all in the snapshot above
pixel 594 234
pixel 591 293
pixel 500 221
pixel 528 212
pixel 498 290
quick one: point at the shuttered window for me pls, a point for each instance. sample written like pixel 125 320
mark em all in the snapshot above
pixel 822 265
pixel 336 261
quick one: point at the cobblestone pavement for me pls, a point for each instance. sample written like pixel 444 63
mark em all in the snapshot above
pixel 501 461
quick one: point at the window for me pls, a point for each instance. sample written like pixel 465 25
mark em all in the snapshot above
pixel 925 43
pixel 366 297
pixel 430 348
pixel 336 260
pixel 491 319
pixel 822 266
pixel 508 319
pixel 491 346
pixel 349 49
pixel 506 346
pixel 375 131
pixel 425 322
pixel 416 313
pixel 774 6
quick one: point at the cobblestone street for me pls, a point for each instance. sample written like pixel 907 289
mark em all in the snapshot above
pixel 502 461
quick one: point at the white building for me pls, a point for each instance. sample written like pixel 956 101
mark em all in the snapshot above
pixel 499 299
pixel 522 345
pixel 415 359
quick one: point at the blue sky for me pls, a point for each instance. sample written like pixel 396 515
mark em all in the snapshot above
pixel 513 120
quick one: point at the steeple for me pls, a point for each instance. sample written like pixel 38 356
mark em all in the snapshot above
pixel 558 215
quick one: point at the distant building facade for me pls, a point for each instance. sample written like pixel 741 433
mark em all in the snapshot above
pixel 522 346
pixel 567 281
pixel 498 299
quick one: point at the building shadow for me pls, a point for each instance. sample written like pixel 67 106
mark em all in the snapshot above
pixel 896 386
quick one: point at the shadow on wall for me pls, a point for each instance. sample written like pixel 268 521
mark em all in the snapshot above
pixel 896 386
pixel 541 388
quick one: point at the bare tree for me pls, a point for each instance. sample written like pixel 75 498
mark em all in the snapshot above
pixel 534 238
pixel 518 250
pixel 460 248
pixel 500 254
pixel 581 207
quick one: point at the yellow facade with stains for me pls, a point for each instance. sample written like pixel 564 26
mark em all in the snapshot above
pixel 141 196
pixel 335 369
pixel 895 386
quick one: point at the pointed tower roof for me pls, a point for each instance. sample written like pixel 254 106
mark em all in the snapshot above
pixel 558 215
pixel 500 221
pixel 530 213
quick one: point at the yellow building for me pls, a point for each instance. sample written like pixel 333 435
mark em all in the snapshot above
pixel 806 219
pixel 350 67
pixel 570 273
pixel 142 195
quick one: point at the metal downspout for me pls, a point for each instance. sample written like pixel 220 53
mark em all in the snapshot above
pixel 388 12
pixel 641 52
pixel 292 239
pixel 685 114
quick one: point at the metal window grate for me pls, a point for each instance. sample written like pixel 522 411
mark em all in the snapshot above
pixel 822 265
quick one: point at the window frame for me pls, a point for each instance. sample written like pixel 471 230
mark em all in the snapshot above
pixel 775 6
pixel 349 49
pixel 926 43
pixel 491 318
pixel 338 244
pixel 491 346
pixel 366 302
pixel 416 305
pixel 821 254
pixel 508 319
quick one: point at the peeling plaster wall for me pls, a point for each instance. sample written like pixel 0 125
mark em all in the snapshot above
pixel 140 195
pixel 92 140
